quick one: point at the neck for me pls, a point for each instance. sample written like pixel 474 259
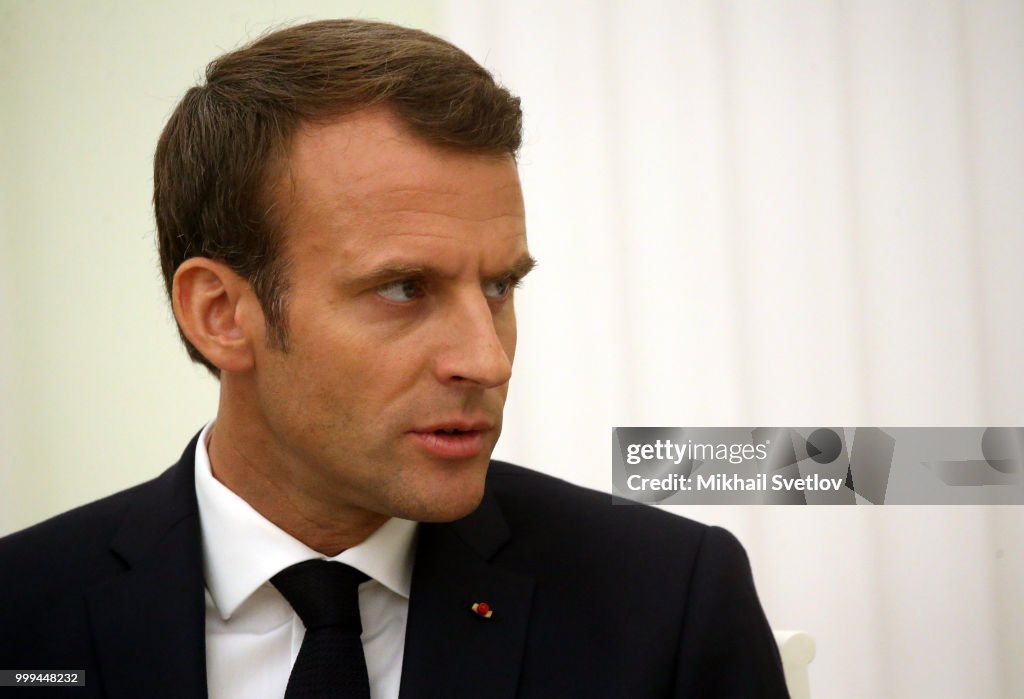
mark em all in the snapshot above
pixel 283 491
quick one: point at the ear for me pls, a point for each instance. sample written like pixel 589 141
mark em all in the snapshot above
pixel 218 313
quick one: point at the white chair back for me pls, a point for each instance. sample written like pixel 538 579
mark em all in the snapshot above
pixel 797 650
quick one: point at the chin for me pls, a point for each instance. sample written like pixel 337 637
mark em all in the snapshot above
pixel 445 503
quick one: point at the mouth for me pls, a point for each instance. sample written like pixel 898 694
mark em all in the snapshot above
pixel 455 440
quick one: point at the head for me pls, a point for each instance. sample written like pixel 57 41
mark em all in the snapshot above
pixel 226 145
pixel 341 226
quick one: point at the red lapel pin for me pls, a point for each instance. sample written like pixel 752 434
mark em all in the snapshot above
pixel 482 609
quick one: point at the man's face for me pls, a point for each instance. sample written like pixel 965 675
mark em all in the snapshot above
pixel 401 262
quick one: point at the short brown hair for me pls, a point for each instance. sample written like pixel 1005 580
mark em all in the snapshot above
pixel 215 160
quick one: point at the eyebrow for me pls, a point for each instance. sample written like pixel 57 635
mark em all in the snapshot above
pixel 517 270
pixel 523 266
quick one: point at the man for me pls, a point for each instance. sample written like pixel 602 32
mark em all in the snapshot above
pixel 341 232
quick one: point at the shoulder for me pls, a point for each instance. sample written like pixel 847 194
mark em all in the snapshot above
pixel 672 599
pixel 568 505
pixel 142 512
pixel 73 530
pixel 589 525
pixel 68 550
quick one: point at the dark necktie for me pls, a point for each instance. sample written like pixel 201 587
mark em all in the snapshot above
pixel 325 595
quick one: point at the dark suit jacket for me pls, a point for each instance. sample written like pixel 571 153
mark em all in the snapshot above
pixel 590 599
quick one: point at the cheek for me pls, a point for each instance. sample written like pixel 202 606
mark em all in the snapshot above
pixel 313 377
pixel 365 375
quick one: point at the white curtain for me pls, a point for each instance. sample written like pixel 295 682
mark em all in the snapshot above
pixel 785 213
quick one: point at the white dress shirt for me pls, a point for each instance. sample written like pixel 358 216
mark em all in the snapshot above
pixel 252 634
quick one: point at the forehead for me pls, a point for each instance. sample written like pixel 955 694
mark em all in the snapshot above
pixel 368 164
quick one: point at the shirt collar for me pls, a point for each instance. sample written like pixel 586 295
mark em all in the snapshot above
pixel 242 549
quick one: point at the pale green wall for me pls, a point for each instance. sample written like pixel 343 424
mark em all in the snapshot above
pixel 96 392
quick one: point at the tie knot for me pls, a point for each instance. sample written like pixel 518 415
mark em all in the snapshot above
pixel 322 593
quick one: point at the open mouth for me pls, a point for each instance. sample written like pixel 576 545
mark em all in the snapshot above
pixel 451 442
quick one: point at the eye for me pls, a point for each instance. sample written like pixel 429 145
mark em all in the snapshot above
pixel 401 291
pixel 500 288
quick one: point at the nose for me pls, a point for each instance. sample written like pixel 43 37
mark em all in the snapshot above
pixel 473 352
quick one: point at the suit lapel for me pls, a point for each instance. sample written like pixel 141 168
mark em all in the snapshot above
pixel 149 623
pixel 450 651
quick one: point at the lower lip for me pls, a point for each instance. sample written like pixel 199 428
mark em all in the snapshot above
pixel 451 446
